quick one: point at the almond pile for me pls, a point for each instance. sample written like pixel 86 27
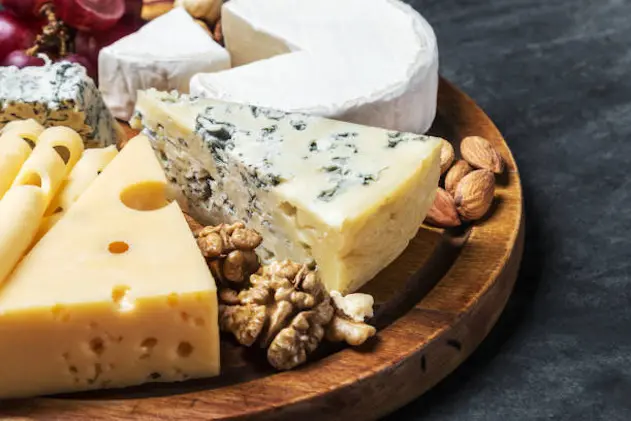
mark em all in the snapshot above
pixel 468 185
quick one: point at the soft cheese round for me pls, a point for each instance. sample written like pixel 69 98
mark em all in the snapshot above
pixel 164 54
pixel 371 62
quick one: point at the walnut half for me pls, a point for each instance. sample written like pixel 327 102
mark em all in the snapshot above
pixel 296 312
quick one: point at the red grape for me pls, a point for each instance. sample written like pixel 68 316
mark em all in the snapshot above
pixel 89 44
pixel 84 61
pixel 90 15
pixel 14 35
pixel 132 8
pixel 20 59
pixel 23 8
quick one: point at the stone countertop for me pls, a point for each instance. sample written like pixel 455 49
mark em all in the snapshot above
pixel 555 76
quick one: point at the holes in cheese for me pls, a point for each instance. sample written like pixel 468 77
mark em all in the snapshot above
pixel 65 142
pixel 121 297
pixel 97 345
pixel 146 347
pixel 30 179
pixel 63 152
pixel 118 247
pixel 28 130
pixel 56 153
pixel 145 196
pixel 185 349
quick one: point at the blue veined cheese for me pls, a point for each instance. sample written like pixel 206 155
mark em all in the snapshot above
pixel 350 197
pixel 57 94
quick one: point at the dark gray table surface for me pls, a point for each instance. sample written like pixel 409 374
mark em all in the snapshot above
pixel 555 76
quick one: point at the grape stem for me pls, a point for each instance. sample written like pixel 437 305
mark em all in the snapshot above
pixel 54 33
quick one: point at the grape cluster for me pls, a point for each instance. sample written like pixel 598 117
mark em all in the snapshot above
pixel 87 25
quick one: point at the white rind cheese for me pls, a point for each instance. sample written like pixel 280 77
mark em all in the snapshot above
pixel 57 94
pixel 349 197
pixel 164 54
pixel 372 62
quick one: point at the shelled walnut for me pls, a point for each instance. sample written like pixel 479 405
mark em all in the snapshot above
pixel 283 307
pixel 229 250
pixel 285 310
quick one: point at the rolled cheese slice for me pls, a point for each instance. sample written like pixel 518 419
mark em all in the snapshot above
pixel 372 62
pixel 21 211
pixel 91 164
pixel 16 139
pixel 58 149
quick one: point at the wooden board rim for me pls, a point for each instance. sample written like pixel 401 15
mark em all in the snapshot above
pixel 372 380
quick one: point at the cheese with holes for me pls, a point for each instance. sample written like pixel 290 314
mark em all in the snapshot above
pixel 163 54
pixel 57 94
pixel 372 62
pixel 116 294
pixel 349 197
pixel 16 139
pixel 57 151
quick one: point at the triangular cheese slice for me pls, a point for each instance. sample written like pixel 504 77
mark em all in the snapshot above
pixel 116 294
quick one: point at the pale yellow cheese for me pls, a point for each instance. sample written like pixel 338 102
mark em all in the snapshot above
pixel 58 149
pixel 27 129
pixel 21 211
pixel 89 166
pixel 116 294
pixel 15 149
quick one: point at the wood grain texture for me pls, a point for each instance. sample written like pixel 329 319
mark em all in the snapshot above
pixel 436 303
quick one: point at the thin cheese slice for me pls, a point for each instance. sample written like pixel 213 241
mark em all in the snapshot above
pixel 21 211
pixel 16 141
pixel 116 294
pixel 91 164
pixel 57 151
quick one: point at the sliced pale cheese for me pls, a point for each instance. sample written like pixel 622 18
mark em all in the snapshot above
pixel 348 196
pixel 16 142
pixel 116 294
pixel 57 151
pixel 91 164
pixel 372 62
pixel 28 129
pixel 165 53
pixel 21 211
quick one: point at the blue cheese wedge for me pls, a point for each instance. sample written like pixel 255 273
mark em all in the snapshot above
pixel 57 94
pixel 347 196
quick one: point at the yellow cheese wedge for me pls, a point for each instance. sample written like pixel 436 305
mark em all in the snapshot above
pixel 16 141
pixel 89 166
pixel 58 149
pixel 116 294
pixel 21 210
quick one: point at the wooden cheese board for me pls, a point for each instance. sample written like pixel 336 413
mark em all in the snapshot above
pixel 434 305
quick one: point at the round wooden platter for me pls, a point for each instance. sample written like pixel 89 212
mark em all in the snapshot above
pixel 435 304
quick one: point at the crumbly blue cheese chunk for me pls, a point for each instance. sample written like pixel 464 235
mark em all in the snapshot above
pixel 347 196
pixel 57 94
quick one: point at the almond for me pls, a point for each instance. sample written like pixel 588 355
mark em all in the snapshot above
pixel 474 194
pixel 455 174
pixel 479 152
pixel 447 156
pixel 443 212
